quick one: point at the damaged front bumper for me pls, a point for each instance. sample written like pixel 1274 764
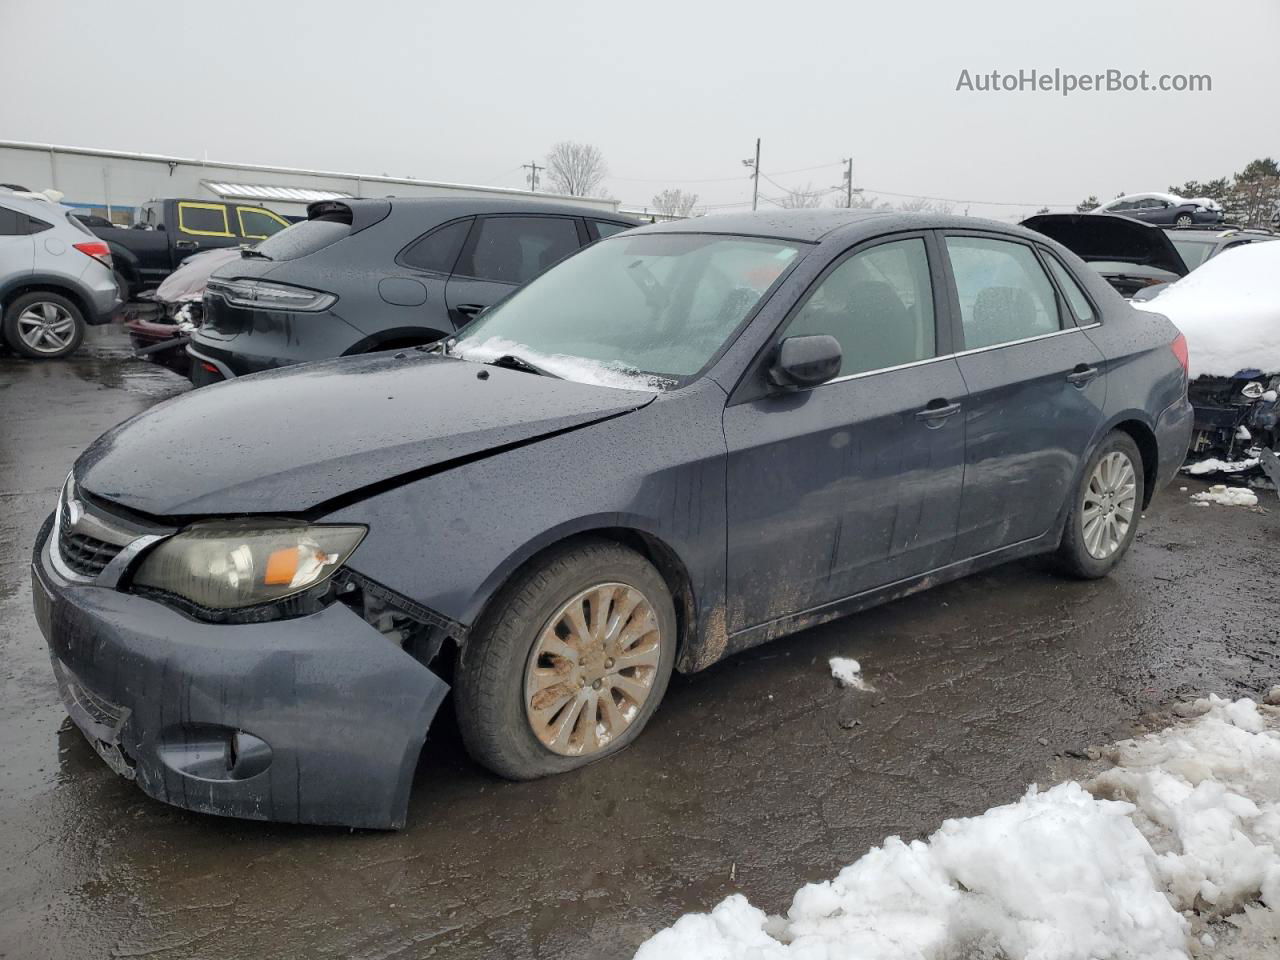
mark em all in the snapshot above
pixel 318 719
pixel 1235 416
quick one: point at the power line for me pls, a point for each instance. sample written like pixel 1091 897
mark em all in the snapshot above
pixel 776 173
pixel 986 203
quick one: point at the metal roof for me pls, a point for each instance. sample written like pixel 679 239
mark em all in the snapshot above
pixel 256 191
pixel 53 148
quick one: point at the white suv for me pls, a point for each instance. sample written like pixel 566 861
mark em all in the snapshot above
pixel 55 277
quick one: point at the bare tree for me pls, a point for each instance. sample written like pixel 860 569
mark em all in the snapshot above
pixel 862 201
pixel 576 169
pixel 802 199
pixel 925 205
pixel 674 203
pixel 1090 202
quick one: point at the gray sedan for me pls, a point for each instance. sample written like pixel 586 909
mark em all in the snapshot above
pixel 684 441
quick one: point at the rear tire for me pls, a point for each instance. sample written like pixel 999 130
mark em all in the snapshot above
pixel 1183 221
pixel 1106 507
pixel 526 708
pixel 43 325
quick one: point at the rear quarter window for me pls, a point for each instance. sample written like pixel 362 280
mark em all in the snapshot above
pixel 437 252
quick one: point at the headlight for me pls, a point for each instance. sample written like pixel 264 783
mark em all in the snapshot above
pixel 1253 390
pixel 262 295
pixel 228 565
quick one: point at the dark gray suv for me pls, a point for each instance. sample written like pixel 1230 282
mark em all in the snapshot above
pixel 364 275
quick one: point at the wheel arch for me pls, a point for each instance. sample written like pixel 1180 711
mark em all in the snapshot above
pixel 1145 438
pixel 654 548
pixel 39 284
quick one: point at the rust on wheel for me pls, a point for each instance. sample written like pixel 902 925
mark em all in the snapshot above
pixel 592 668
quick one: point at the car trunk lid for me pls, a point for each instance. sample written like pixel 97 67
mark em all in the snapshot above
pixel 1103 237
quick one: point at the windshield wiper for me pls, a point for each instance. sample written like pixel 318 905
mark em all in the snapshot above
pixel 249 253
pixel 512 362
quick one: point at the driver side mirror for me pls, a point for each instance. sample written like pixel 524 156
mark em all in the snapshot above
pixel 806 362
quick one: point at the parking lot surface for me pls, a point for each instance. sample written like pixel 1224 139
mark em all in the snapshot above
pixel 755 776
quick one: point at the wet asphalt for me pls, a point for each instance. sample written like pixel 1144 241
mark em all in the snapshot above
pixel 756 776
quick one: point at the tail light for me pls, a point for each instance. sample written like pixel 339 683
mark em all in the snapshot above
pixel 262 295
pixel 1179 348
pixel 98 250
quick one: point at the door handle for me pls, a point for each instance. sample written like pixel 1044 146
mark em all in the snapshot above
pixel 469 310
pixel 1081 375
pixel 937 411
pixel 186 244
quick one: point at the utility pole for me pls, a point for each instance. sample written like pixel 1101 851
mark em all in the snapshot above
pixel 755 175
pixel 533 169
pixel 846 184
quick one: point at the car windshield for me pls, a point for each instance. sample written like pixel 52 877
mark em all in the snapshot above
pixel 1193 252
pixel 637 311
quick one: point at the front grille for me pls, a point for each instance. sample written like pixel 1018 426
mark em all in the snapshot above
pixel 84 555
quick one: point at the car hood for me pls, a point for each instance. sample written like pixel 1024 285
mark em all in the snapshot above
pixel 315 435
pixel 1104 236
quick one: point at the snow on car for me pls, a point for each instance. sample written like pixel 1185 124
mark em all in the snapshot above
pixel 1229 311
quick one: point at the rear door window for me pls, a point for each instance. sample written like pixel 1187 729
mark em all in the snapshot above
pixel 1004 293
pixel 12 223
pixel 516 249
pixel 257 223
pixel 878 304
pixel 437 252
pixel 203 219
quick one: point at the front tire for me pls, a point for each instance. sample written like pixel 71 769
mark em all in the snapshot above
pixel 1184 220
pixel 43 325
pixel 1104 514
pixel 568 664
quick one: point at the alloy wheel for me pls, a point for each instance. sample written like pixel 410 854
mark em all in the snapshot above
pixel 1110 499
pixel 46 327
pixel 592 669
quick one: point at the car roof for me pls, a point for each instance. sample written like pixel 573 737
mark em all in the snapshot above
pixel 1154 195
pixel 36 208
pixel 812 226
pixel 461 206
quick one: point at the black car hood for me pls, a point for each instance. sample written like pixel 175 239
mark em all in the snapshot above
pixel 1105 236
pixel 304 437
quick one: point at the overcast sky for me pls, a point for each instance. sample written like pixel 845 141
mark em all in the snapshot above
pixel 673 93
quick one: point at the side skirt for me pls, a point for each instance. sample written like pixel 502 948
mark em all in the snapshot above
pixel 764 632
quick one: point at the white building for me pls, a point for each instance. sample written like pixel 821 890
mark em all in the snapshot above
pixel 113 183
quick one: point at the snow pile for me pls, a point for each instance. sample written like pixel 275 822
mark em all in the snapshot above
pixel 1229 310
pixel 578 369
pixel 1214 465
pixel 848 673
pixel 1187 820
pixel 1207 798
pixel 1227 496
